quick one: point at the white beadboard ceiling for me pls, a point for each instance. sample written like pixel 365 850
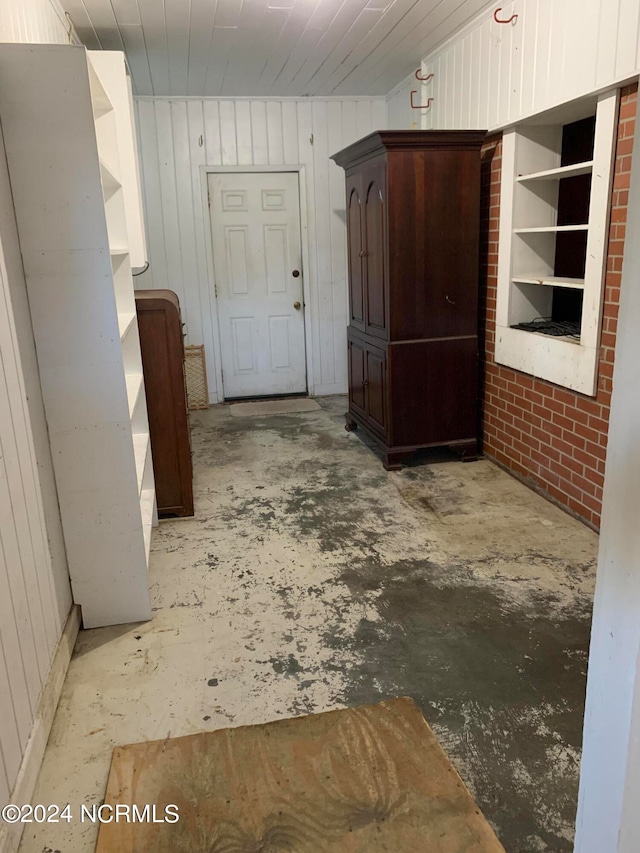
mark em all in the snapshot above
pixel 259 48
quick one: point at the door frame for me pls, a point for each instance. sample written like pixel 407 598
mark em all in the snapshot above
pixel 205 171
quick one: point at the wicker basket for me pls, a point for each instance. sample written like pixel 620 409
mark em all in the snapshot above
pixel 196 374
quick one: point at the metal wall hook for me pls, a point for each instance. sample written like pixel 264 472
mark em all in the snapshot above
pixel 415 106
pixel 498 20
pixel 423 79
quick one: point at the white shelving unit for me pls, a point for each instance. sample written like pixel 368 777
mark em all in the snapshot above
pixel 66 119
pixel 530 277
pixel 108 66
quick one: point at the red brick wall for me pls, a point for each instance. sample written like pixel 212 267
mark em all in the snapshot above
pixel 554 439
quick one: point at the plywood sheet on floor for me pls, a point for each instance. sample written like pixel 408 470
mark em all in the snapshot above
pixel 372 778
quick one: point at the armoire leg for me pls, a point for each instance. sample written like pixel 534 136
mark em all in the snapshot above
pixel 393 461
pixel 350 425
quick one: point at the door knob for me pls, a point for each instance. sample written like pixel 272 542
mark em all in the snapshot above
pixel 295 273
pixel 297 306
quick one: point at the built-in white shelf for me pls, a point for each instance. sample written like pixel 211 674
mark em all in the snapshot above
pixel 550 281
pixel 141 447
pixel 546 337
pixel 536 257
pixel 125 299
pixel 125 323
pixel 100 101
pixel 117 251
pixel 560 172
pixel 109 181
pixel 135 383
pixel 99 111
pixel 147 507
pixel 116 224
pixel 114 135
pixel 551 229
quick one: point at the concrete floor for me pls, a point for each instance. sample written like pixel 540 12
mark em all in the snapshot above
pixel 311 579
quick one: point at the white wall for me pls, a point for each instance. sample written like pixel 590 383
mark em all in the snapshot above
pixel 399 112
pixel 608 814
pixel 35 598
pixel 489 75
pixel 251 133
pixel 33 21
pixel 406 110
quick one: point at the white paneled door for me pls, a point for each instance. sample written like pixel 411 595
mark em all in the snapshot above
pixel 257 259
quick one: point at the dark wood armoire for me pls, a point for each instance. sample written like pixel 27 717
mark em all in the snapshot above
pixel 162 349
pixel 413 223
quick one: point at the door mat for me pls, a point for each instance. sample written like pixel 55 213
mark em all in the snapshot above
pixel 273 407
pixel 195 372
pixel 361 780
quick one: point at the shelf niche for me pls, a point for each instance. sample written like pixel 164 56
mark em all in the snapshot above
pixel 551 218
pixel 554 213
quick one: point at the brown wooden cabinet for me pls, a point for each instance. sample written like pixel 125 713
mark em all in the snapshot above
pixel 162 348
pixel 413 222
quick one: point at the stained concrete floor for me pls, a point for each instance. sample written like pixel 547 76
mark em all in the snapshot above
pixel 311 579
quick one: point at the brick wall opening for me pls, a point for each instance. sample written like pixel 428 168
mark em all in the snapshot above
pixel 554 439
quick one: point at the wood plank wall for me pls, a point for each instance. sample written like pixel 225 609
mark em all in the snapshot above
pixel 399 112
pixel 251 133
pixel 35 597
pixel 489 75
pixel 39 21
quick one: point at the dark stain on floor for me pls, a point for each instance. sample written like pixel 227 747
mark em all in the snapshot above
pixel 286 666
pixel 506 684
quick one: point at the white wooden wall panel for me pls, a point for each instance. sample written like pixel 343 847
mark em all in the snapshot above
pixel 178 136
pixel 400 114
pixel 489 75
pixel 626 47
pixel 477 93
pixel 398 107
pixel 35 597
pixel 33 21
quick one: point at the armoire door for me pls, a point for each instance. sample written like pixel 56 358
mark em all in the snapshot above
pixel 357 377
pixel 374 190
pixel 356 254
pixel 376 390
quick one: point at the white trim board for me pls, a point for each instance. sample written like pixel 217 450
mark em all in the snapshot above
pixel 608 817
pixel 10 834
